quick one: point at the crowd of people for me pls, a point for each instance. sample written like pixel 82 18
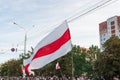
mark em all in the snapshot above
pixel 35 78
pixel 44 78
pixel 51 78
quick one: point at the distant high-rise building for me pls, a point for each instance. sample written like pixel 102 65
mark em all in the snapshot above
pixel 109 28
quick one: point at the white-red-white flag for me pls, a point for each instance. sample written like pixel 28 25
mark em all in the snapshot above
pixel 23 70
pixel 54 45
pixel 57 66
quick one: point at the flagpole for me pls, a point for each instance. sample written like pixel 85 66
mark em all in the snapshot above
pixel 59 68
pixel 25 36
pixel 72 64
pixel 61 73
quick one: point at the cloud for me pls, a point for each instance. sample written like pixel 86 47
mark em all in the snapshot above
pixel 45 14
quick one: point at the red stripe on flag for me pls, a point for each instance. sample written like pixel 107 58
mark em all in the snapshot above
pixel 26 68
pixel 52 47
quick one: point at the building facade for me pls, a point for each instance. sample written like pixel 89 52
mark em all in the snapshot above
pixel 109 28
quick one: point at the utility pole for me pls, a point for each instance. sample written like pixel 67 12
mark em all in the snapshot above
pixel 25 36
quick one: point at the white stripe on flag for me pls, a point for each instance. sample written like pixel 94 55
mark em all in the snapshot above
pixel 57 66
pixel 53 46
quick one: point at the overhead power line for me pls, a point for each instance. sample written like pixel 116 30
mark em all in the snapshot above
pixel 81 13
pixel 84 12
pixel 92 8
pixel 87 10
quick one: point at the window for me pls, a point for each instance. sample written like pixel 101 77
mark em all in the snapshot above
pixel 113 31
pixel 104 34
pixel 104 39
pixel 112 27
pixel 112 23
pixel 113 34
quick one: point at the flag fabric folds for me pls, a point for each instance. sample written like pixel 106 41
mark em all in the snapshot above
pixel 54 45
pixel 23 70
pixel 57 66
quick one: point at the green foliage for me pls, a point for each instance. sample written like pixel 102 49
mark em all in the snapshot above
pixel 108 63
pixel 65 66
pixel 83 60
pixel 77 62
pixel 11 68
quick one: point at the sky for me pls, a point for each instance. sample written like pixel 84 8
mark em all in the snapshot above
pixel 40 17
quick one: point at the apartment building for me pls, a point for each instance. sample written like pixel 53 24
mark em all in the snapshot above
pixel 108 28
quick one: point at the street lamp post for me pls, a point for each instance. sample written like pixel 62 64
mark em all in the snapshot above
pixel 25 36
pixel 25 42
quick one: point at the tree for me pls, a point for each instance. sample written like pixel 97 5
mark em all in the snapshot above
pixel 108 63
pixel 11 68
pixel 65 66
pixel 82 60
pixel 94 51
